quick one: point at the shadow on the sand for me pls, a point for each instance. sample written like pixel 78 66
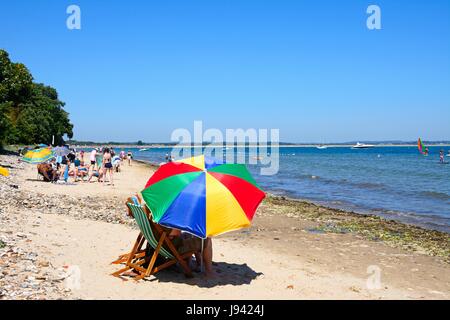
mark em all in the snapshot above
pixel 7 166
pixel 226 274
pixel 8 152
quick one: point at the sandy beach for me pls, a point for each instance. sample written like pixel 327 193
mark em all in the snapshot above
pixel 293 250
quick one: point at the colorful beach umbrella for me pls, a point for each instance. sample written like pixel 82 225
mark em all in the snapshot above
pixel 61 151
pixel 202 196
pixel 38 155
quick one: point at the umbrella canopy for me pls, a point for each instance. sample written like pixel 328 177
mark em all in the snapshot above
pixel 202 196
pixel 61 151
pixel 38 155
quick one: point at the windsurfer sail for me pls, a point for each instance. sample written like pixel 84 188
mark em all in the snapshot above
pixel 422 149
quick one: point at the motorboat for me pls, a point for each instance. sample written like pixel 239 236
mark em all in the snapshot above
pixel 362 146
pixel 321 147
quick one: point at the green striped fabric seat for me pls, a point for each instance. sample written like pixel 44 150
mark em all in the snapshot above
pixel 144 226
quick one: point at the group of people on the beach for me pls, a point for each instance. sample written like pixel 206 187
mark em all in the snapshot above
pixel 102 164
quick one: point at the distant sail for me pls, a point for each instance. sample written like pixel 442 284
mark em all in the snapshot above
pixel 421 147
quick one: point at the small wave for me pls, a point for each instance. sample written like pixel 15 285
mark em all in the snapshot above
pixel 306 176
pixel 359 185
pixel 369 185
pixel 436 195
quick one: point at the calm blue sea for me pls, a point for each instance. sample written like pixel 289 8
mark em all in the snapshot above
pixel 393 182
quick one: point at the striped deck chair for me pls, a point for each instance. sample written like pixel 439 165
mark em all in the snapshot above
pixel 123 258
pixel 156 241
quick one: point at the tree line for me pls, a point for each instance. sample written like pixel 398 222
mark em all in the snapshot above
pixel 30 112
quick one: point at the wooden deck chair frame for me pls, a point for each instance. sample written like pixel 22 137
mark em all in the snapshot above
pixel 123 258
pixel 136 258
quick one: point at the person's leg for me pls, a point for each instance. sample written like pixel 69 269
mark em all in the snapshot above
pixel 90 174
pixel 198 260
pixel 101 173
pixel 45 175
pixel 51 175
pixel 111 172
pixel 104 175
pixel 207 256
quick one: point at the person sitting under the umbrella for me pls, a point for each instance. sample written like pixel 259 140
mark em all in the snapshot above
pixel 185 242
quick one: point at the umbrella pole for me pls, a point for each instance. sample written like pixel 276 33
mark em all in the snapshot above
pixel 201 258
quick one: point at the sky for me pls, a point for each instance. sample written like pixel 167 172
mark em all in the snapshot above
pixel 137 70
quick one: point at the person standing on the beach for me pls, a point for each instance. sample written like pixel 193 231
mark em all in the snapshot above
pixel 93 158
pixel 129 157
pixel 107 166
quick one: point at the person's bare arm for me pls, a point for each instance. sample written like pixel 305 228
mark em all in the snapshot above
pixel 174 233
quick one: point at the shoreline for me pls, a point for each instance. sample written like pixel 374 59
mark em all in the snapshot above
pixel 166 146
pixel 293 250
pixel 325 205
pixel 370 225
pixel 364 212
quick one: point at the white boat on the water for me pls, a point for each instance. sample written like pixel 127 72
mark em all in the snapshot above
pixel 143 149
pixel 362 146
pixel 321 147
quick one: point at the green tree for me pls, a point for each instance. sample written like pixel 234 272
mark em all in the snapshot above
pixel 29 112
pixel 15 88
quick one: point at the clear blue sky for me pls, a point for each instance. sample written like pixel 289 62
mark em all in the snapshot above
pixel 140 69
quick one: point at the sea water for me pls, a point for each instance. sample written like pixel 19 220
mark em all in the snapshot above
pixel 394 182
